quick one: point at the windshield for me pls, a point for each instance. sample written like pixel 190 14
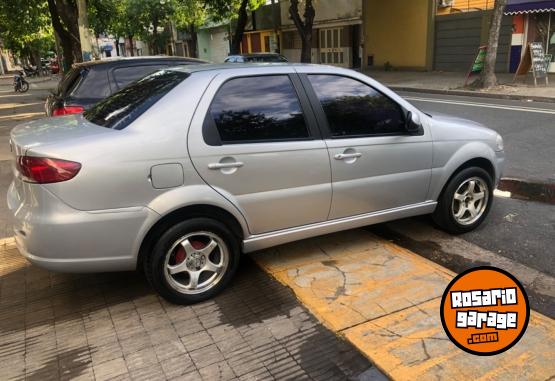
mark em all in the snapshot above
pixel 123 107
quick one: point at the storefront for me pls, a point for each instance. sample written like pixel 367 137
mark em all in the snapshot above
pixel 533 21
pixel 264 41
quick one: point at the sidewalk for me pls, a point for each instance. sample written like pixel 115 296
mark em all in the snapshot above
pixel 114 327
pixel 453 83
pixel 385 300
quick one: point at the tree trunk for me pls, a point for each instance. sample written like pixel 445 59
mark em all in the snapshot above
pixel 488 75
pixel 193 42
pixel 240 28
pixel 304 27
pixel 155 47
pixel 130 37
pixel 71 46
pixel 117 45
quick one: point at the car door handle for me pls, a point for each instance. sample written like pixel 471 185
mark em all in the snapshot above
pixel 343 156
pixel 235 164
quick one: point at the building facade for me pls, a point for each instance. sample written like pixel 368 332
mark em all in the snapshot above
pixel 213 42
pixel 262 33
pixel 533 21
pixel 337 33
pixel 398 34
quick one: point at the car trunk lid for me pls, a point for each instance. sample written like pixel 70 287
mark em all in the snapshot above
pixel 43 132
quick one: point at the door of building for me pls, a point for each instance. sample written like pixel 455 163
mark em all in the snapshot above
pixel 331 51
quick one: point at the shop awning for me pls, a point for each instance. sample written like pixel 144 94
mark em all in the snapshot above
pixel 515 7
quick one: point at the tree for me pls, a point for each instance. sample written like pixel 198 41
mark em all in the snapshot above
pixel 226 9
pixel 150 16
pixel 30 36
pixel 64 18
pixel 304 27
pixel 189 16
pixel 489 78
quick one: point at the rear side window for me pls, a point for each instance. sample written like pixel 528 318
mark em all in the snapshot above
pixel 123 107
pixel 69 80
pixel 92 84
pixel 355 109
pixel 128 74
pixel 258 109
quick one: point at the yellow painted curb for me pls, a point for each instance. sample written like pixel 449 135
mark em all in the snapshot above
pixel 385 299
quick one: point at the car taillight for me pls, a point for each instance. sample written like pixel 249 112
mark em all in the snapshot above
pixel 43 170
pixel 66 110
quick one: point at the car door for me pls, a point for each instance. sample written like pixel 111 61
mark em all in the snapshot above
pixel 254 139
pixel 376 164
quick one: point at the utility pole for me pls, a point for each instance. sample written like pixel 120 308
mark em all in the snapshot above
pixel 84 34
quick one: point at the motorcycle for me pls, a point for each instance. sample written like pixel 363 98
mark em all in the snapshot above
pixel 31 71
pixel 19 83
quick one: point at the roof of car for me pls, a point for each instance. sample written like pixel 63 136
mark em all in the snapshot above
pixel 253 65
pixel 119 60
pixel 254 55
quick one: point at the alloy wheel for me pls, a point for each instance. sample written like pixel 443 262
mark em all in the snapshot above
pixel 196 262
pixel 470 201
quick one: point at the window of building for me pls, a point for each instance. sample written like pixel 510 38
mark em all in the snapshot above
pixel 259 109
pixel 356 109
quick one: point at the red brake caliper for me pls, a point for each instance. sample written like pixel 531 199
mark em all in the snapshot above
pixel 180 253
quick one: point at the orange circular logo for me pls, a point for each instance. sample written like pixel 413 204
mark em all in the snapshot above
pixel 485 311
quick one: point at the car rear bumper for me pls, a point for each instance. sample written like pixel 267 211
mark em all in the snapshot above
pixel 57 237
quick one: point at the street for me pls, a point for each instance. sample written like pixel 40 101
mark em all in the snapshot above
pixel 519 230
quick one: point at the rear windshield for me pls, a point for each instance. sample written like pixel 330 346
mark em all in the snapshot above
pixel 70 79
pixel 123 107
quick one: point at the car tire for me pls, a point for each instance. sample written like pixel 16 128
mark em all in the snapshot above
pixel 465 201
pixel 193 261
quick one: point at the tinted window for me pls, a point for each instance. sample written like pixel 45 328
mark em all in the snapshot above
pixel 258 109
pixel 126 75
pixel 93 83
pixel 355 109
pixel 121 108
pixel 69 80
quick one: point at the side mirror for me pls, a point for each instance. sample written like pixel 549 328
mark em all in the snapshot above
pixel 412 124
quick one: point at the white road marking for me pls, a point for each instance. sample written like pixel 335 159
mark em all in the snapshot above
pixel 484 105
pixel 500 193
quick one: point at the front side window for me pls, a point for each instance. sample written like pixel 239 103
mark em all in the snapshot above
pixel 123 107
pixel 264 108
pixel 356 109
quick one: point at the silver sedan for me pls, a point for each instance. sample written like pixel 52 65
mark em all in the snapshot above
pixel 182 171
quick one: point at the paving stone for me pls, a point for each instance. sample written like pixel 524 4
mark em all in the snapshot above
pixel 112 326
pixel 177 365
pixel 110 369
pixel 220 371
pixel 207 355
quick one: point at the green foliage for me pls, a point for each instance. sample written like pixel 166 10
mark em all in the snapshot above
pixel 25 26
pixel 220 10
pixel 189 14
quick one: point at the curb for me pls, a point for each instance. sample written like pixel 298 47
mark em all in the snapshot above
pixel 474 94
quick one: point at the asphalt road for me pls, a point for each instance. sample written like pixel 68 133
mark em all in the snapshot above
pixel 528 129
pixel 523 231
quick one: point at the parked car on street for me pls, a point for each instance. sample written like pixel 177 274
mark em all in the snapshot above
pixel 255 57
pixel 89 82
pixel 54 67
pixel 183 170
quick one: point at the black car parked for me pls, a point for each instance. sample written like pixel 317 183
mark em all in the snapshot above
pixel 255 57
pixel 89 82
